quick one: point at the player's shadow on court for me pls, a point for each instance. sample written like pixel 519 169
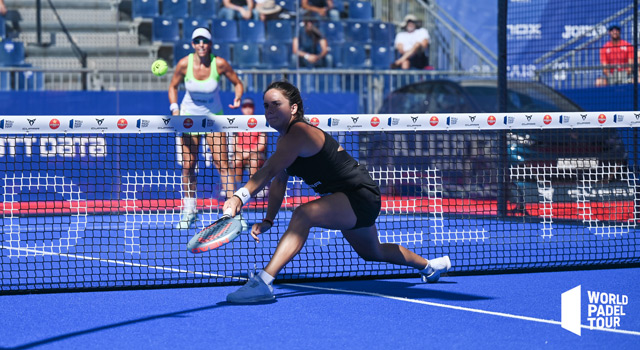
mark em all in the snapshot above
pixel 378 288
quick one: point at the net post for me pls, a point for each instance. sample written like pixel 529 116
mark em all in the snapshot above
pixel 502 105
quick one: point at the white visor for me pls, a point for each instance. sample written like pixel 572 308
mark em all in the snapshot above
pixel 201 32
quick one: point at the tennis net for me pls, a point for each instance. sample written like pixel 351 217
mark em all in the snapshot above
pixel 92 202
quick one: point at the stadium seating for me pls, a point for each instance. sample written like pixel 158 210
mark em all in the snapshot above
pixel 30 80
pixel 288 5
pixel 252 31
pixel 382 56
pixel 174 8
pixel 144 8
pixel 279 31
pixel 181 49
pixel 276 56
pixel 358 32
pixel 333 31
pixel 383 33
pixel 11 53
pixel 362 10
pixel 190 24
pixel 354 56
pixel 224 30
pixel 203 8
pixel 222 50
pixel 165 29
pixel 3 29
pixel 246 55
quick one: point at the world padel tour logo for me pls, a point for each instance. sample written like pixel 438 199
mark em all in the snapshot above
pixel 314 121
pixel 54 124
pixel 434 121
pixel 491 120
pixel 252 123
pixel 122 123
pixel 602 118
pixel 604 310
pixel 547 119
pixel 187 123
pixel 375 121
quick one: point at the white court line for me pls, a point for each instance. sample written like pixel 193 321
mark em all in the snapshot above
pixel 119 262
pixel 446 306
pixel 461 308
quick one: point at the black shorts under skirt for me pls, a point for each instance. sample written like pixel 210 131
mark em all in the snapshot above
pixel 366 204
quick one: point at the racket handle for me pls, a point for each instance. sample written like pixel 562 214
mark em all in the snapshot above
pixel 227 212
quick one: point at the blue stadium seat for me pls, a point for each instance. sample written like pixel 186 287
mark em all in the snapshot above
pixel 339 5
pixel 382 56
pixel 191 23
pixel 276 56
pixel 333 31
pixel 251 31
pixel 144 8
pixel 174 8
pixel 280 31
pixel 383 33
pixel 180 50
pixel 358 32
pixel 5 81
pixel 222 50
pixel 11 53
pixel 335 55
pixel 3 29
pixel 360 10
pixel 30 80
pixel 246 55
pixel 224 30
pixel 165 29
pixel 354 56
pixel 203 8
pixel 288 5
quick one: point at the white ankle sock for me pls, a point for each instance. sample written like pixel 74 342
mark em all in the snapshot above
pixel 267 278
pixel 189 204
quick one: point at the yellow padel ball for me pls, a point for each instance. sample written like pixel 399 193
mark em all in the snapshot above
pixel 159 67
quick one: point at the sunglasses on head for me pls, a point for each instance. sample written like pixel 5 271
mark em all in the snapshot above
pixel 200 40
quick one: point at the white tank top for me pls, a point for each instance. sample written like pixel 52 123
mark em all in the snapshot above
pixel 202 96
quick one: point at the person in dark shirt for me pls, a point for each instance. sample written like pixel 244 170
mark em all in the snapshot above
pixel 310 46
pixel 349 198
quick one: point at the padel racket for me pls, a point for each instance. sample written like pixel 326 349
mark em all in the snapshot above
pixel 222 231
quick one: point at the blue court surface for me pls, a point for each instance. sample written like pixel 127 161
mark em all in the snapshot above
pixel 513 311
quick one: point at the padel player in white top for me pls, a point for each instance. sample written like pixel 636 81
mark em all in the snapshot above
pixel 350 199
pixel 201 72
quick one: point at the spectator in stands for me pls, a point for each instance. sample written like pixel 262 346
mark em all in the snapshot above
pixel 12 21
pixel 238 9
pixel 616 52
pixel 310 46
pixel 412 44
pixel 201 72
pixel 321 9
pixel 268 10
pixel 250 148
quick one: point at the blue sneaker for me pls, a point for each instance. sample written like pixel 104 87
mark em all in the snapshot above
pixel 254 291
pixel 436 267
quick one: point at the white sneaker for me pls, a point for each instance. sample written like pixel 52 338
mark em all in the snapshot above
pixel 254 291
pixel 437 266
pixel 186 220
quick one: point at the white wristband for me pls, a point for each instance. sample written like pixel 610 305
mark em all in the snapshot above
pixel 174 107
pixel 243 194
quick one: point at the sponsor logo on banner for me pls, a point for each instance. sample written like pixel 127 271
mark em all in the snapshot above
pixel 602 118
pixel 207 123
pixel 564 119
pixel 252 123
pixel 529 121
pixel 166 122
pixel 524 31
pixel 547 119
pixel 491 120
pixel 6 124
pixel 637 119
pixel 584 120
pixel 333 122
pixel 54 124
pixel 509 120
pixel 187 123
pixel 74 124
pixel 472 121
pixel 314 121
pixel 31 122
pixel 450 120
pixel 354 122
pixel 414 122
pixel 142 123
pixel 99 123
pixel 618 118
pixel 230 121
pixel 122 123
pixel 575 31
pixel 375 121
pixel 434 120
pixel 393 121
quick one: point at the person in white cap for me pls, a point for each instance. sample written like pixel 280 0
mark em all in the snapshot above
pixel 201 72
pixel 411 43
